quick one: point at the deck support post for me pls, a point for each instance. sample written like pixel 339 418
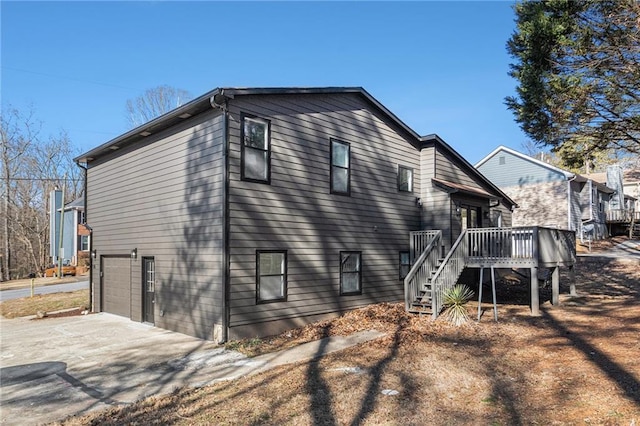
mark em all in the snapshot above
pixel 480 293
pixel 572 281
pixel 493 290
pixel 555 286
pixel 535 293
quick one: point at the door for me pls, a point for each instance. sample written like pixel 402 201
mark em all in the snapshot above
pixel 148 289
pixel 469 216
pixel 116 285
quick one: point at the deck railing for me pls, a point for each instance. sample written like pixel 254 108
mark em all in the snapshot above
pixel 448 273
pixel 520 247
pixel 423 266
pixel 623 216
pixel 419 240
pixel 502 245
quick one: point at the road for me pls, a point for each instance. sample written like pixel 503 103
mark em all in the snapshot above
pixel 48 289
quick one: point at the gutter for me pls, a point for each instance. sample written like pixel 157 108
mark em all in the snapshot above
pixel 571 179
pixel 219 101
pixel 85 170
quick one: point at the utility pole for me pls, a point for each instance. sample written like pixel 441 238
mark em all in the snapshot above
pixel 60 243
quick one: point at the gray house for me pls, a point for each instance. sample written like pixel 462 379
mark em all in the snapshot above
pixel 547 195
pixel 74 245
pixel 249 211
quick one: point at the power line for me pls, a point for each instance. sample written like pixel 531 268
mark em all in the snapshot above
pixel 68 78
pixel 47 179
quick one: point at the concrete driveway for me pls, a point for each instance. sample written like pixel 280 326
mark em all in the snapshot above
pixel 57 367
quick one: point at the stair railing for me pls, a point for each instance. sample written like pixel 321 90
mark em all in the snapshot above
pixel 448 273
pixel 422 268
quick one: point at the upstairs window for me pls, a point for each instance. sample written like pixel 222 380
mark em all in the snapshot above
pixel 350 272
pixel 256 149
pixel 271 276
pixel 340 168
pixel 405 179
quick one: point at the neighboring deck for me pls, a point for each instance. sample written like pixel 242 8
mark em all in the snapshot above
pixel 523 247
pixel 623 216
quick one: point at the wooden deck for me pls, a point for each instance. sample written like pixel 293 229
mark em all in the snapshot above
pixel 492 248
pixel 624 216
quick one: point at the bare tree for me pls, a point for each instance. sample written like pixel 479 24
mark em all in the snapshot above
pixel 31 168
pixel 155 102
pixel 17 131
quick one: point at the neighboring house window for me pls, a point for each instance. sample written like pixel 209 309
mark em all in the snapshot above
pixel 340 167
pixel 256 149
pixel 600 203
pixel 271 276
pixel 405 264
pixel 350 272
pixel 405 179
pixel 81 217
pixel 84 243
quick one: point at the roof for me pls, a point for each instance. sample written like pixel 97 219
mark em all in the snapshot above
pixel 567 174
pixel 456 187
pixel 525 157
pixel 629 176
pixel 217 97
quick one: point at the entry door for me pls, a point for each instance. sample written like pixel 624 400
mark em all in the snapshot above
pixel 149 289
pixel 470 217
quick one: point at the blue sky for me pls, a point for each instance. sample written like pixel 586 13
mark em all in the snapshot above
pixel 441 67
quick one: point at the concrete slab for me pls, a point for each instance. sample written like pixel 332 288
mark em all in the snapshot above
pixel 54 368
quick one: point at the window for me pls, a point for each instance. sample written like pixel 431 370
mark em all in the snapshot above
pixel 84 243
pixel 350 272
pixel 405 179
pixel 340 168
pixel 271 276
pixel 256 149
pixel 405 264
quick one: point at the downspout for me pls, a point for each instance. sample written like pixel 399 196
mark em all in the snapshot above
pixel 84 169
pixel 219 101
pixel 569 205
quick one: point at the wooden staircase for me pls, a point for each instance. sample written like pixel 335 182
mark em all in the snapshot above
pixel 422 303
pixel 431 276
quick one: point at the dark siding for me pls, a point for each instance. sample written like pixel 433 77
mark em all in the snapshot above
pixel 448 169
pixel 296 212
pixel 164 197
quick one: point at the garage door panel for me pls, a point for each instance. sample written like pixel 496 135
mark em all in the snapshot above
pixel 116 282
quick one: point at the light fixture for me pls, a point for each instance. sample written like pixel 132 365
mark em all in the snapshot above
pixel 134 254
pixel 185 115
pixel 145 133
pixel 94 253
pixel 114 147
pixel 418 201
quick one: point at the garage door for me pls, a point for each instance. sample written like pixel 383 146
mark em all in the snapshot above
pixel 116 285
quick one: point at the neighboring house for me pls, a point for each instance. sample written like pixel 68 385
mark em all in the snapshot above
pixel 630 187
pixel 249 211
pixel 75 241
pixel 547 195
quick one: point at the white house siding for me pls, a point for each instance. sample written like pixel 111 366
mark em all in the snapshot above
pixel 296 211
pixel 543 204
pixel 163 196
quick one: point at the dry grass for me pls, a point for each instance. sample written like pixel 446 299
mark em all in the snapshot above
pixel 44 302
pixel 577 364
pixel 600 246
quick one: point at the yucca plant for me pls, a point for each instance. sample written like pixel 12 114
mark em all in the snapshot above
pixel 455 300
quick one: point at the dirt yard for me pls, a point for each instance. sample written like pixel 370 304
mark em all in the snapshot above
pixel 576 364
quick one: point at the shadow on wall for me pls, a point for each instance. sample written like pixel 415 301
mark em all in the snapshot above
pixel 296 212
